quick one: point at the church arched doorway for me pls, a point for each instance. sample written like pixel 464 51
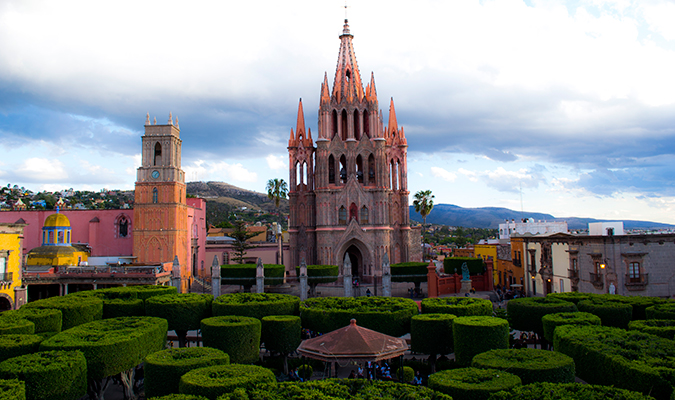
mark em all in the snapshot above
pixel 5 303
pixel 357 261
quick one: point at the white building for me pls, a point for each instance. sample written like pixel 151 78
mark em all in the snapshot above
pixel 513 227
pixel 605 228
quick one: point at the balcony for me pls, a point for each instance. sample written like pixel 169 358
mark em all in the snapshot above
pixel 636 282
pixel 517 263
pixel 596 280
pixel 573 274
pixel 6 276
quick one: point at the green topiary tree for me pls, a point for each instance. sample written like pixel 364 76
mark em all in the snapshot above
pixel 408 374
pixel 638 303
pixel 14 345
pixel 568 391
pixel 389 315
pixel 256 305
pixel 282 334
pixel 237 336
pixel 459 306
pixel 15 324
pixel 183 311
pixel 432 334
pixel 305 371
pixel 49 375
pixel 76 310
pixel 661 311
pixel 217 380
pixel 244 274
pixel 531 365
pixel 572 297
pixel 317 274
pixel 414 272
pixel 112 346
pixel 12 389
pixel 163 369
pixel 552 321
pixel 453 265
pixel 472 383
pixel 525 314
pixel 659 327
pixel 45 320
pixel 114 308
pixel 611 313
pixel 475 335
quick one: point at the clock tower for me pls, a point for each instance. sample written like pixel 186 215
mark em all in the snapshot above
pixel 160 209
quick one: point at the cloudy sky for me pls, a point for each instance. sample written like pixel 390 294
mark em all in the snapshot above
pixel 561 107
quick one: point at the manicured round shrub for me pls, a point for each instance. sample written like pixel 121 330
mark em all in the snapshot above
pixel 245 274
pixel 256 305
pixel 49 375
pixel 13 345
pixel 112 345
pixel 661 311
pixel 15 324
pixel 183 311
pixel 178 396
pixel 320 273
pixel 639 303
pixel 415 272
pixel 659 327
pixel 459 306
pixel 568 391
pixel 388 315
pixel 611 313
pixel 525 314
pixel 572 297
pixel 475 335
pixel 237 336
pixel 432 333
pixel 114 308
pixel 472 383
pixel 531 365
pixel 281 333
pixel 120 292
pixel 163 369
pixel 552 321
pixel 76 310
pixel 144 292
pixel 214 381
pixel 305 371
pixel 12 389
pixel 45 320
pixel 408 374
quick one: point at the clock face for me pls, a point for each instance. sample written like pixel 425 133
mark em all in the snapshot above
pixel 155 174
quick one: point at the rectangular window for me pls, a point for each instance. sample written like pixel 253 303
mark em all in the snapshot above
pixel 562 286
pixel 634 272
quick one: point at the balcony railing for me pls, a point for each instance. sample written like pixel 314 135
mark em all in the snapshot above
pixel 636 282
pixel 596 280
pixel 573 274
pixel 6 276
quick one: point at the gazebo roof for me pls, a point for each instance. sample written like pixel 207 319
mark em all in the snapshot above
pixel 353 342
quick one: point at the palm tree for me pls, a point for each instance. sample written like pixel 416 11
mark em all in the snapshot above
pixel 276 190
pixel 423 203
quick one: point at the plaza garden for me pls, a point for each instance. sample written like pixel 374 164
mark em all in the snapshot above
pixel 587 347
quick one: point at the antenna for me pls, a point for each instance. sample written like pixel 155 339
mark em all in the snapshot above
pixel 346 9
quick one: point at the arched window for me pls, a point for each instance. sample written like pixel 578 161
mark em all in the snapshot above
pixel 357 126
pixel 155 195
pixel 343 169
pixel 331 169
pixel 123 227
pixel 158 154
pixel 344 125
pixel 371 171
pixel 51 237
pixel 366 124
pixel 335 123
pixel 305 173
pixel 68 237
pixel 59 236
pixel 359 168
pixel 353 212
pixel 298 174
pixel 342 216
pixel 363 218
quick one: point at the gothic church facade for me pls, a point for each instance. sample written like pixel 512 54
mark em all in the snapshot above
pixel 349 191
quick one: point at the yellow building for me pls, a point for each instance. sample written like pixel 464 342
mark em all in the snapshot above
pixel 487 252
pixel 11 237
pixel 56 250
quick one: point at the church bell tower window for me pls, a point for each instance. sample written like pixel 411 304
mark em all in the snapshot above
pixel 155 195
pixel 342 216
pixel 158 153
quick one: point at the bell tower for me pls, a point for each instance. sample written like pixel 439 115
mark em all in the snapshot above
pixel 349 194
pixel 160 209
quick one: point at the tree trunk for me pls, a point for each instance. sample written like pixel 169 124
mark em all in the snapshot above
pixel 286 363
pixel 432 362
pixel 96 388
pixel 127 378
pixel 182 337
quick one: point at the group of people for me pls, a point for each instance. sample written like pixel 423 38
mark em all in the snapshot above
pixel 508 293
pixel 415 293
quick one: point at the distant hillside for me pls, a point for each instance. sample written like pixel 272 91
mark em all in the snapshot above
pixel 491 217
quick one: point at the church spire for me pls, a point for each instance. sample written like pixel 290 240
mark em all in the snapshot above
pixel 347 81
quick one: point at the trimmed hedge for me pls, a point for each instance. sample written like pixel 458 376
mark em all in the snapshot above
pixel 453 265
pixel 408 374
pixel 237 336
pixel 568 391
pixel 163 369
pixel 244 274
pixel 664 328
pixel 112 345
pixel 49 375
pixel 388 315
pixel 256 305
pixel 472 383
pixel 475 335
pixel 45 320
pixel 611 313
pixel 114 308
pixel 281 333
pixel 76 310
pixel 572 297
pixel 525 314
pixel 17 345
pixel 337 389
pixel 12 389
pixel 145 292
pixel 183 311
pixel 415 272
pixel 177 396
pixel 531 365
pixel 552 321
pixel 432 333
pixel 320 273
pixel 627 359
pixel 639 303
pixel 216 380
pixel 14 324
pixel 459 306
pixel 661 311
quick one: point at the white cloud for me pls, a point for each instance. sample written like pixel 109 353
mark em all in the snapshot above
pixel 202 170
pixel 471 175
pixel 661 18
pixel 443 174
pixel 42 169
pixel 276 162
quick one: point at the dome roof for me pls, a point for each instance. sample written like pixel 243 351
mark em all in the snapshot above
pixel 57 220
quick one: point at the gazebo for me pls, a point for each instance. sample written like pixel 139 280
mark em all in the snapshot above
pixel 353 343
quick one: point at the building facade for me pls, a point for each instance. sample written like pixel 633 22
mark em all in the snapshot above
pixel 12 294
pixel 348 191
